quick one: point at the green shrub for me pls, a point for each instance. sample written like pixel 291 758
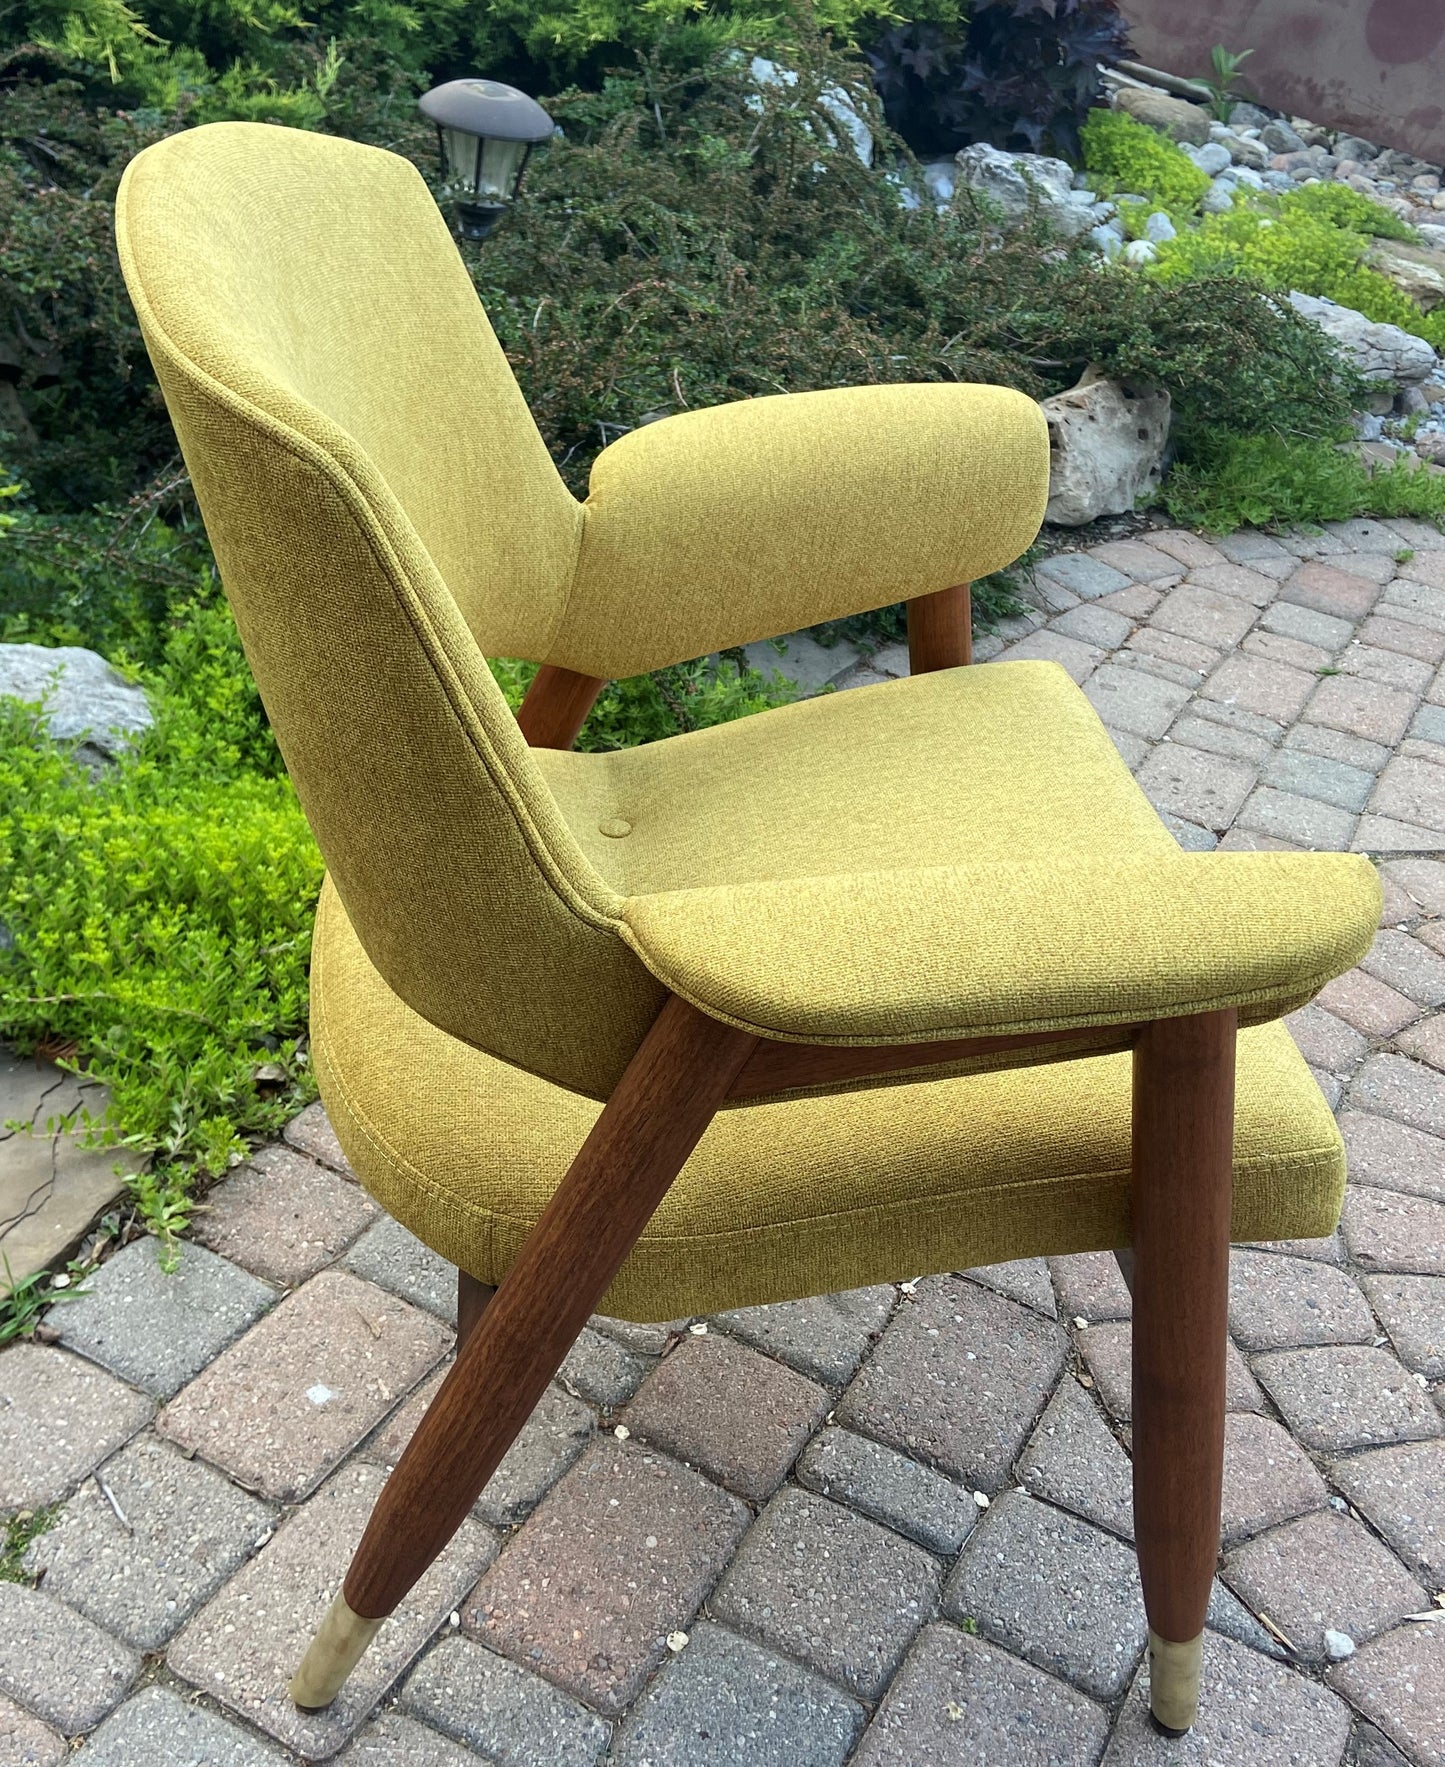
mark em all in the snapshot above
pixel 1343 207
pixel 1126 155
pixel 1275 481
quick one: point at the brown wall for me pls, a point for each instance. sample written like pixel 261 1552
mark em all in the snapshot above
pixel 1375 67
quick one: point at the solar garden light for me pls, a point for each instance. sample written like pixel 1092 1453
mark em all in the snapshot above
pixel 486 131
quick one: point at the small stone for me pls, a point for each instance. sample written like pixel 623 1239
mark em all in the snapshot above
pixel 158 1328
pixel 819 1583
pixel 1305 821
pixel 1362 708
pixel 1338 1645
pixel 186 1530
pixel 959 1700
pixel 1174 117
pixel 1202 788
pixel 1057 1592
pixel 58 1665
pixel 729 1703
pixel 59 1418
pixel 1315 776
pixel 507 1714
pixel 1350 1396
pixel 888 1488
pixel 1272 690
pixel 158 1728
pixel 1308 625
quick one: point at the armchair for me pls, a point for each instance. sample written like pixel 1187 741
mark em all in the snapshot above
pixel 908 978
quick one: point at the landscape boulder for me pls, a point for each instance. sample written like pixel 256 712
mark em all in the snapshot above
pixel 1383 353
pixel 1416 270
pixel 1106 447
pixel 1013 181
pixel 1175 117
pixel 84 697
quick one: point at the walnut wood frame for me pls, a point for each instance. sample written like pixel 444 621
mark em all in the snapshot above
pixel 513 1339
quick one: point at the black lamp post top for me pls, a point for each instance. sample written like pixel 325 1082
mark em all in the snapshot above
pixel 488 109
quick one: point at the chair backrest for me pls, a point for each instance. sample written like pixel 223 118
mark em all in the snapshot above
pixel 382 507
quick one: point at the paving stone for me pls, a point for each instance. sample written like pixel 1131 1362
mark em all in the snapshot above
pixel 1251 1710
pixel 1205 615
pixel 1080 660
pixel 1395 1682
pixel 1137 559
pixel 1372 1748
pixel 1314 776
pixel 734 1414
pixel 1179 660
pixel 1412 1310
pixel 1098 626
pixel 727 1702
pixel 888 1487
pixel 1277 648
pixel 1189 835
pixel 957 1380
pixel 1330 1085
pixel 393 1258
pixel 1304 820
pixel 1236 718
pixel 551 1439
pixel 1323 1572
pixel 643 1340
pixel 1074 1461
pixel 56 1664
pixel 186 1530
pixel 1280 1303
pixel 819 1583
pixel 1249 546
pixel 311 1131
pixel 1204 788
pixel 1326 1041
pixel 1269 689
pixel 1393 1156
pixel 1422 536
pixel 25 1741
pixel 1424 603
pixel 1086 576
pixel 957 1699
pixel 59 1418
pixel 1369 1005
pixel 1373 662
pixel 1433 934
pixel 506 1713
pixel 156 1328
pixel 1057 1592
pixel 1107 1350
pixel 1362 708
pixel 1189 549
pixel 1136 601
pixel 1328 590
pixel 1292 620
pixel 1393 1086
pixel 1429 722
pixel 1267 1480
pixel 1135 750
pixel 1248 585
pixel 825 1337
pixel 280 1408
pixel 282 1215
pixel 1221 739
pixel 1328 1251
pixel 1091 1287
pixel 1347 1396
pixel 157 1728
pixel 1128 699
pixel 1024 1279
pixel 1401 1491
pixel 802 659
pixel 1382 835
pixel 1227 1615
pixel 601 1371
pixel 1338 745
pixel 1412 791
pixel 394 1741
pixel 1387 1231
pixel 243 1647
pixel 582 1597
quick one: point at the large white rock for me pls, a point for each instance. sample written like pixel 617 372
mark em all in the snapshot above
pixel 84 697
pixel 1382 353
pixel 1013 180
pixel 833 100
pixel 1106 447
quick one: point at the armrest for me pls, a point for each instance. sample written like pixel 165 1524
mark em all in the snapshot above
pixel 752 519
pixel 954 952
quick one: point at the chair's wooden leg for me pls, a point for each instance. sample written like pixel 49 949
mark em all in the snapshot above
pixel 473 1299
pixel 940 630
pixel 682 1071
pixel 1183 1167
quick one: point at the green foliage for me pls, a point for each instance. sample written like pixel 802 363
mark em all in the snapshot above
pixel 1343 207
pixel 1126 155
pixel 1274 481
pixel 20 1529
pixel 1225 80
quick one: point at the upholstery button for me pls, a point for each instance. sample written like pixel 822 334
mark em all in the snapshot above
pixel 614 828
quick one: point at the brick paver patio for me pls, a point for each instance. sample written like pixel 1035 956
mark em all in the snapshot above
pixel 778 1537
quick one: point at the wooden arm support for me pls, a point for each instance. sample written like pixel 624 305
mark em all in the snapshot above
pixel 940 630
pixel 556 706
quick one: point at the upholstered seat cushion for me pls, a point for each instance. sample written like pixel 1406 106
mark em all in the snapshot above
pixel 803 1196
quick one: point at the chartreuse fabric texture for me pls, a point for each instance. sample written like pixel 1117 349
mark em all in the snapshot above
pixel 962 853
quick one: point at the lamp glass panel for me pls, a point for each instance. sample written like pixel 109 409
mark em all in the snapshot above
pixel 501 166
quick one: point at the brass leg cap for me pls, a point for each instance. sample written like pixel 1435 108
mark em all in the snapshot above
pixel 1174 1683
pixel 333 1653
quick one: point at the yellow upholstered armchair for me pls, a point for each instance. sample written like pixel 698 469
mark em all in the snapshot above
pixel 904 979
